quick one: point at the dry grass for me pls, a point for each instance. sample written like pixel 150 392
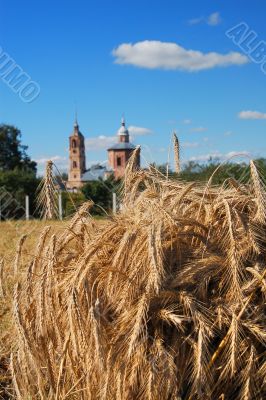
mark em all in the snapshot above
pixel 164 301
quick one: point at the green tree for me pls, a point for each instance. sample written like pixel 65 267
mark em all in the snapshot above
pixel 201 172
pixel 12 153
pixel 17 174
pixel 162 168
pixel 71 202
pixel 219 172
pixel 261 165
pixel 101 192
pixel 14 186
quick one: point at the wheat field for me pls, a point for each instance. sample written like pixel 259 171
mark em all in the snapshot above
pixel 164 301
pixel 10 234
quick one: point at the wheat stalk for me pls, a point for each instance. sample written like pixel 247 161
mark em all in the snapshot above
pixel 176 153
pixel 2 290
pixel 19 254
pixel 48 194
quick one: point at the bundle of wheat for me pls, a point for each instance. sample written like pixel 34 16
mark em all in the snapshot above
pixel 166 300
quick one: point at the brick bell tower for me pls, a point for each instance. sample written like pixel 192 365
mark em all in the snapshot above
pixel 119 154
pixel 77 158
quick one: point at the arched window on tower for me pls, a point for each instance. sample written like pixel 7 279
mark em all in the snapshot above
pixel 74 164
pixel 74 144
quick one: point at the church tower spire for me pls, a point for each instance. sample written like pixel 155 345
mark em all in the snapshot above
pixel 76 119
pixel 77 158
pixel 123 134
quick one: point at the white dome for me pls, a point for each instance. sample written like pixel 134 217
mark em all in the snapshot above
pixel 122 131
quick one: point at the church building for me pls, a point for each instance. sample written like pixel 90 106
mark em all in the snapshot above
pixel 118 156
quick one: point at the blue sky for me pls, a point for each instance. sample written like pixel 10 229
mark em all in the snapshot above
pixel 132 57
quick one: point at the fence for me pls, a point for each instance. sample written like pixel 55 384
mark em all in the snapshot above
pixel 12 209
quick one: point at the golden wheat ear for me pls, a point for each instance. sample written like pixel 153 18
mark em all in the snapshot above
pixel 176 153
pixel 47 199
pixel 131 168
pixel 258 190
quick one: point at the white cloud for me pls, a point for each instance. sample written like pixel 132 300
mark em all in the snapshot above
pixel 243 153
pixel 100 142
pixel 154 54
pixel 139 131
pixel 187 121
pixel 196 21
pixel 220 156
pixel 213 19
pixel 205 157
pixel 55 159
pixel 251 115
pixel 199 129
pixel 60 162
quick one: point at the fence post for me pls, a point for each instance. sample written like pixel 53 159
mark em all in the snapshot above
pixel 60 208
pixel 27 207
pixel 114 203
